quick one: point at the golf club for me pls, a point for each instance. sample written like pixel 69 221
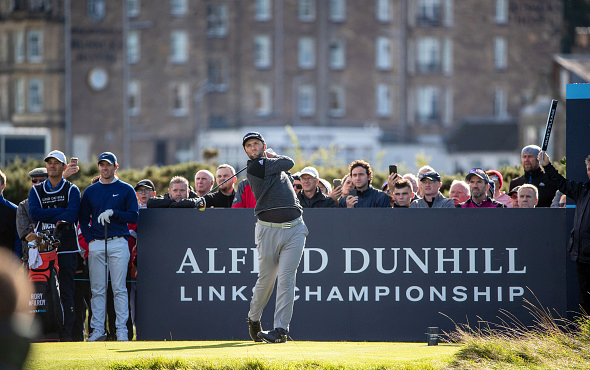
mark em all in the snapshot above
pixel 215 188
pixel 106 276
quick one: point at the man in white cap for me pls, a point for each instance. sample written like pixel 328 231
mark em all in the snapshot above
pixel 533 174
pixel 113 202
pixel 50 202
pixel 311 196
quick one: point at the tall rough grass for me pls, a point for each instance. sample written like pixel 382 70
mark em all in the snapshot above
pixel 550 343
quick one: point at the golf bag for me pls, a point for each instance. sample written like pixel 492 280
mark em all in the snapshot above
pixel 45 300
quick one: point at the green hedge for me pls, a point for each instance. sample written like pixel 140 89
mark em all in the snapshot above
pixel 19 184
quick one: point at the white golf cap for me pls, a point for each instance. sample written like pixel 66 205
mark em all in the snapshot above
pixel 60 156
pixel 311 172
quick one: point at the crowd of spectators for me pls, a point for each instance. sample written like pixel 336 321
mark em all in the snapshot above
pixel 480 189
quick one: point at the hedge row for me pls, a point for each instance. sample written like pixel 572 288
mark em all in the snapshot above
pixel 19 184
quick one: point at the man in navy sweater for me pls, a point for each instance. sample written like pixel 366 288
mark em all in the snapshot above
pixel 113 202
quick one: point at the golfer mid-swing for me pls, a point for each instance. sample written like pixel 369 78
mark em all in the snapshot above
pixel 280 236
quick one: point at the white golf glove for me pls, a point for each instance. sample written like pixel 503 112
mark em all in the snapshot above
pixel 105 217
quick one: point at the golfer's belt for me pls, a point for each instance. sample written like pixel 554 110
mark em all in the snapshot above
pixel 282 225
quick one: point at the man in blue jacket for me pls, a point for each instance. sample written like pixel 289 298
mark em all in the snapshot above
pixel 363 194
pixel 113 202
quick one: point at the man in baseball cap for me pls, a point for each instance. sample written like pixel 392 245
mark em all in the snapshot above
pixel 109 157
pixel 60 156
pixel 311 196
pixel 533 174
pixel 479 184
pixel 252 135
pixel 431 196
pixel 145 190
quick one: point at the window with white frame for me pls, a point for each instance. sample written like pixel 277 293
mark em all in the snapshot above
pixel 306 55
pixel 19 46
pixel 428 57
pixel 500 110
pixel 179 47
pixel 132 8
pixel 448 13
pixel 500 57
pixel 34 46
pixel 384 53
pixel 337 101
pixel 427 104
pixel 448 111
pixel 19 96
pixel 306 10
pixel 501 11
pixel 306 100
pixel 429 13
pixel 35 95
pixel 217 20
pixel 217 74
pixel 133 49
pixel 178 7
pixel 262 10
pixel 337 54
pixel 383 100
pixel 337 10
pixel 262 100
pixel 383 10
pixel 262 51
pixel 447 62
pixel 134 97
pixel 179 99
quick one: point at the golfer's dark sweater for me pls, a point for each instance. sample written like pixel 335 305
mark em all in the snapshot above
pixel 273 189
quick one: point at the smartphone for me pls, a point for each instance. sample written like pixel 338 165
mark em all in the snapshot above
pixel 353 193
pixel 74 161
pixel 392 168
pixel 337 183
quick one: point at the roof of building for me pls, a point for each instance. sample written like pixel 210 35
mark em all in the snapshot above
pixel 578 64
pixel 483 135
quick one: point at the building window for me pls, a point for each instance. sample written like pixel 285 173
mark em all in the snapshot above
pixel 35 95
pixel 383 57
pixel 133 50
pixel 383 10
pixel 178 7
pixel 19 96
pixel 428 55
pixel 217 20
pixel 132 8
pixel 179 99
pixel 337 10
pixel 337 54
pixel 306 53
pixel 19 46
pixel 262 102
pixel 383 100
pixel 337 101
pixel 501 11
pixel 428 105
pixel 217 75
pixel 34 46
pixel 448 14
pixel 448 57
pixel 179 47
pixel 500 110
pixel 306 10
pixel 306 101
pixel 134 97
pixel 262 10
pixel 429 13
pixel 500 57
pixel 262 51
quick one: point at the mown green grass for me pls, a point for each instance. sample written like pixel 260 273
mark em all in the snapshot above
pixel 240 355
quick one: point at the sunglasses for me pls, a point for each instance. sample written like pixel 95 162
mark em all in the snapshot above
pixel 144 191
pixel 36 181
pixel 298 186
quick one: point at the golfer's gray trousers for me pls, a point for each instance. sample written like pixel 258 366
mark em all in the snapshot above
pixel 279 253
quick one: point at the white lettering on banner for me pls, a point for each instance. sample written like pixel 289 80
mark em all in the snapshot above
pixel 212 262
pixel 348 269
pixel 306 260
pixel 360 260
pixel 192 262
pixel 380 293
pixel 235 259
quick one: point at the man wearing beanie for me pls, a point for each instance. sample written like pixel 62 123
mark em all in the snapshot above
pixel 533 174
